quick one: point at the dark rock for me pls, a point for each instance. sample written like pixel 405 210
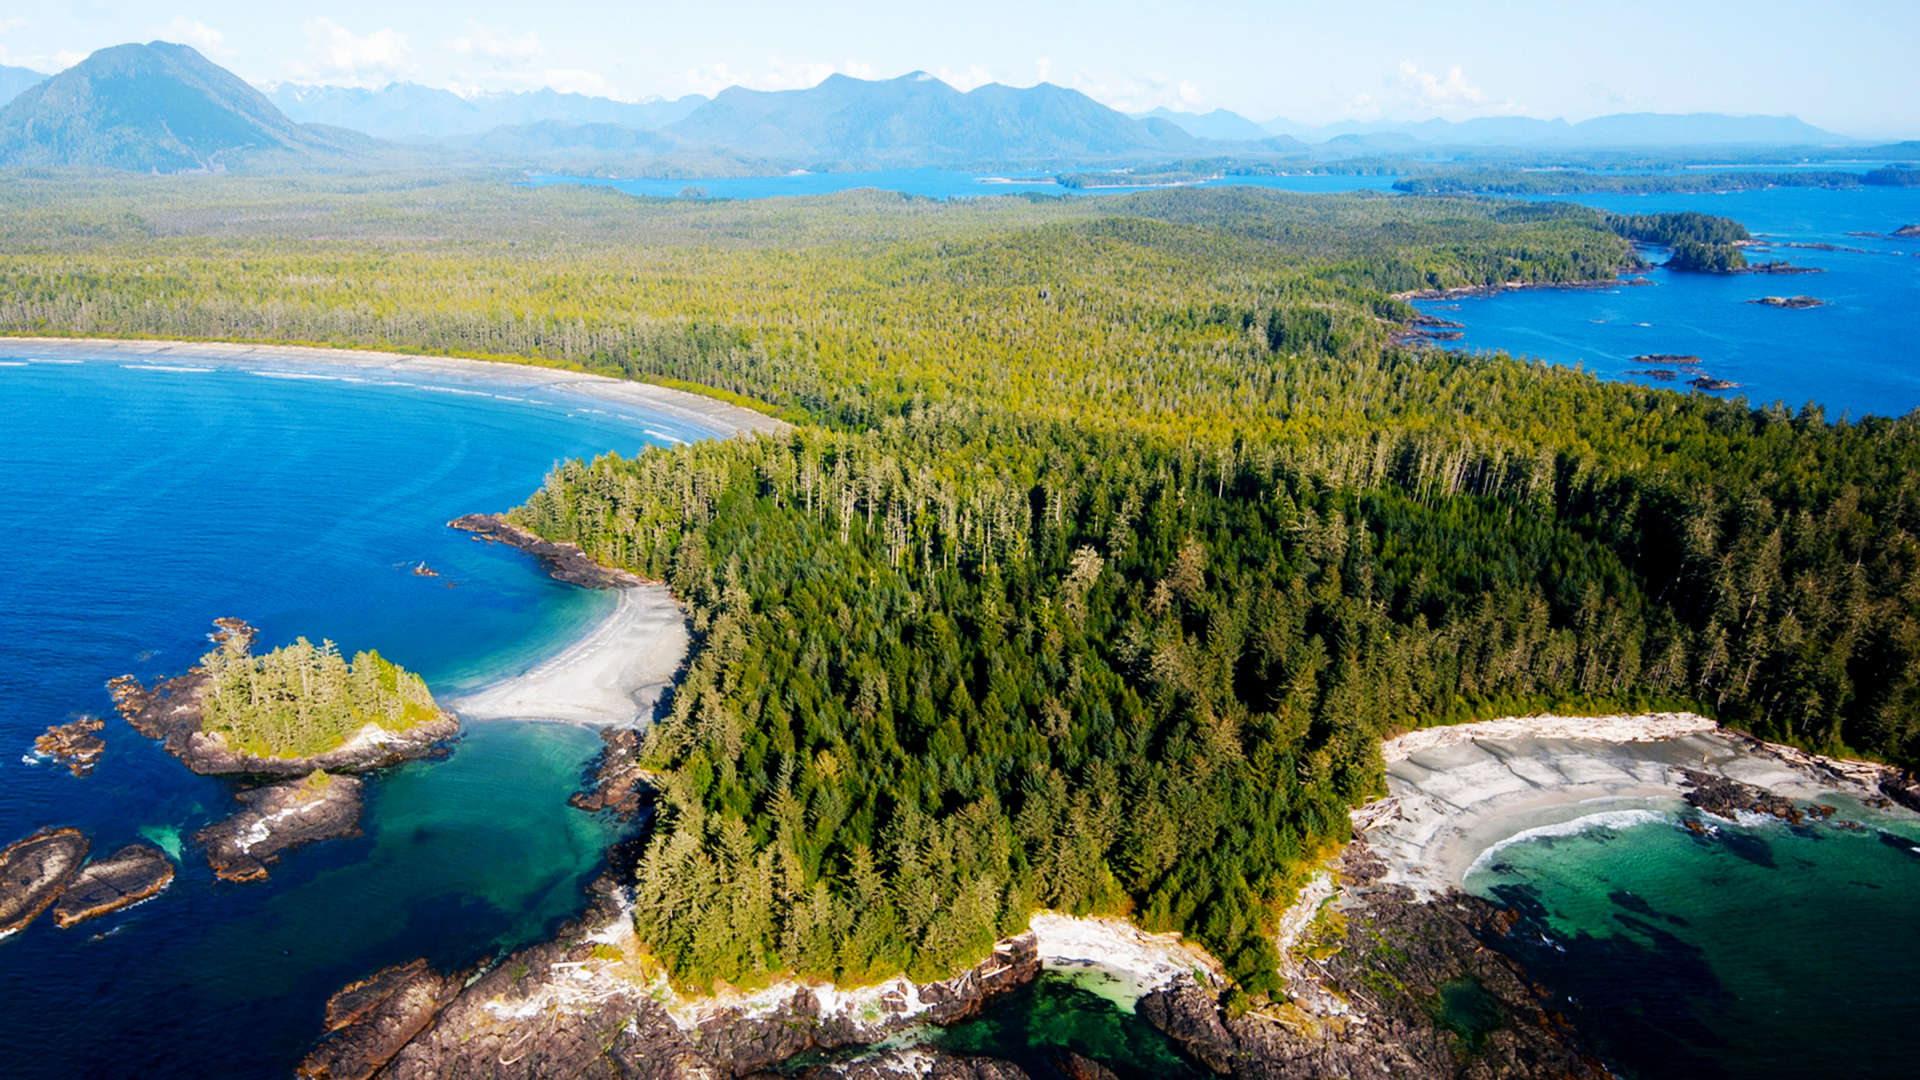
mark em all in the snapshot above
pixel 931 1065
pixel 1908 232
pixel 1790 302
pixel 369 1021
pixel 34 871
pixel 565 562
pixel 1663 359
pixel 1903 789
pixel 1662 374
pixel 122 879
pixel 278 817
pixel 73 744
pixel 1726 797
pixel 619 784
pixel 1708 382
pixel 1074 1067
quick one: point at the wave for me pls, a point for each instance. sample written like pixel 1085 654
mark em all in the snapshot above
pixel 165 367
pixel 664 435
pixel 13 363
pixel 50 360
pixel 295 375
pixel 1612 820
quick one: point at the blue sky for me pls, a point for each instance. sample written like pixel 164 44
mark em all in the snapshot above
pixel 1848 65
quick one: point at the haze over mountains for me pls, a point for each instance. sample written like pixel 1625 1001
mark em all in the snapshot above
pixel 166 107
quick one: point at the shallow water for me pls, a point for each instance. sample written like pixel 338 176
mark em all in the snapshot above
pixel 1854 355
pixel 141 503
pixel 1760 950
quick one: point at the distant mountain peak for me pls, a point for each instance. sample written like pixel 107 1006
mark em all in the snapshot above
pixel 159 106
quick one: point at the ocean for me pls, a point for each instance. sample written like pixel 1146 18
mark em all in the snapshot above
pixel 144 499
pixel 1853 356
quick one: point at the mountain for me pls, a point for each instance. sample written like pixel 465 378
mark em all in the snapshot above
pixel 15 79
pixel 917 119
pixel 159 107
pixel 1624 130
pixel 411 111
pixel 1219 124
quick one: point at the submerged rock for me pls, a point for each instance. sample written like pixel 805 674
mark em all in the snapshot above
pixel 34 871
pixel 73 744
pixel 565 562
pixel 1725 797
pixel 278 817
pixel 122 879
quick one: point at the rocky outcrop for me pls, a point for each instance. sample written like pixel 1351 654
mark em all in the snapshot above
pixel 585 1005
pixel 1903 788
pixel 1790 302
pixel 120 880
pixel 1372 1001
pixel 619 782
pixel 923 1064
pixel 370 1020
pixel 74 744
pixel 34 871
pixel 1725 797
pixel 565 562
pixel 171 711
pixel 278 817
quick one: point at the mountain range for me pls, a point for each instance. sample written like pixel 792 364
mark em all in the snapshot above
pixel 165 107
pixel 411 112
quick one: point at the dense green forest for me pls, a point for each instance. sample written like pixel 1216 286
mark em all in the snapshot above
pixel 304 699
pixel 1111 534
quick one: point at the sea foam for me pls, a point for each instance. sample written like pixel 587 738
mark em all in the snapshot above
pixel 1606 819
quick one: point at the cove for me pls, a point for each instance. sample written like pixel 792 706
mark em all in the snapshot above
pixel 1757 949
pixel 145 496
pixel 1853 355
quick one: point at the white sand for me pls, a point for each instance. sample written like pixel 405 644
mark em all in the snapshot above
pixel 611 677
pixel 1117 960
pixel 695 415
pixel 1458 792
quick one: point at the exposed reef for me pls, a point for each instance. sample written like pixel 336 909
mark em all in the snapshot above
pixel 120 880
pixel 75 744
pixel 172 711
pixel 619 782
pixel 34 871
pixel 565 562
pixel 1789 302
pixel 370 1020
pixel 278 817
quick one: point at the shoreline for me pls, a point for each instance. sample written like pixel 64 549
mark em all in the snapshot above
pixel 701 416
pixel 612 676
pixel 1457 793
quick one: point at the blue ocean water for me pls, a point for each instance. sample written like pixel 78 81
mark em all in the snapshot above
pixel 142 502
pixel 1754 950
pixel 1855 355
pixel 934 184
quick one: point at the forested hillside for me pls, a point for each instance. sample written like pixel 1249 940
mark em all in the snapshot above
pixel 1112 534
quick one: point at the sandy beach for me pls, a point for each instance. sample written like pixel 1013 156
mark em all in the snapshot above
pixel 613 676
pixel 1455 793
pixel 693 415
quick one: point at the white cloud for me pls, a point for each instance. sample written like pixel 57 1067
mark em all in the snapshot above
pixel 1138 95
pixel 1424 94
pixel 336 54
pixel 58 60
pixel 966 78
pixel 498 44
pixel 192 32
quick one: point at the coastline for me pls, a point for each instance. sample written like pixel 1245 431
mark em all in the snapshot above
pixel 1456 793
pixel 612 676
pixel 702 415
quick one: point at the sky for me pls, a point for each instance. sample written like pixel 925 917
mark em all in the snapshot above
pixel 1846 65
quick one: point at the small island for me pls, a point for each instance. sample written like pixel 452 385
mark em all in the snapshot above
pixel 1907 232
pixel 75 744
pixel 289 712
pixel 34 871
pixel 1794 303
pixel 120 880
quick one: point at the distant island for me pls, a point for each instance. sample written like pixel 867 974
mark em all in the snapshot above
pixel 1791 302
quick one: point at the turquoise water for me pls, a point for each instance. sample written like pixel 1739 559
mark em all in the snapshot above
pixel 1759 950
pixel 933 183
pixel 1855 355
pixel 140 504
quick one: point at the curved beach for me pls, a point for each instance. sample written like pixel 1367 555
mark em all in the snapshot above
pixel 612 677
pixel 698 416
pixel 1455 793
